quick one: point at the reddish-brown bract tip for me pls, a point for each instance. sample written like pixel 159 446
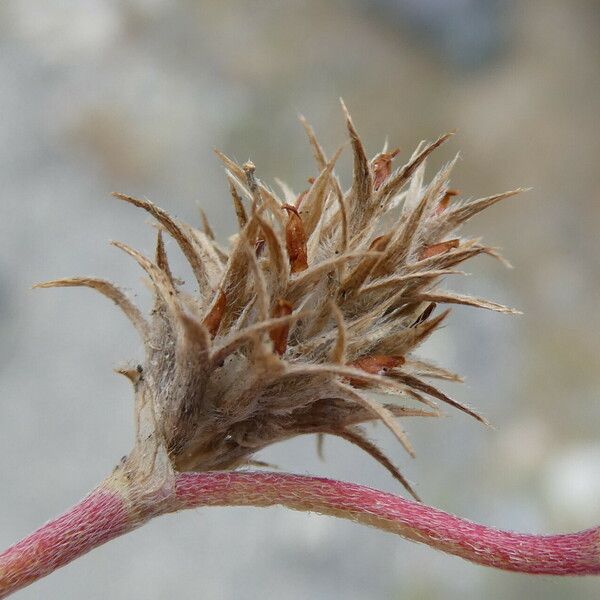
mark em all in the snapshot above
pixel 377 364
pixel 435 249
pixel 445 201
pixel 295 239
pixel 382 167
pixel 279 335
pixel 212 321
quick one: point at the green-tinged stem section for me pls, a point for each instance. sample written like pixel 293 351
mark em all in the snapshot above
pixel 105 514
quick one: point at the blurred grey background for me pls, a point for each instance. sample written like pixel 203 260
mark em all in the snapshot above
pixel 132 95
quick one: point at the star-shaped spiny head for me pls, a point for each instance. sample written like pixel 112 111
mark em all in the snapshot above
pixel 319 303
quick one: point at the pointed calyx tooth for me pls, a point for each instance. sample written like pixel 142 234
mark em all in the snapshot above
pixel 213 319
pixel 206 226
pixel 339 196
pixel 380 243
pixel 394 282
pixel 425 314
pixel 432 371
pixel 417 384
pixel 236 281
pixel 364 268
pixel 318 152
pixel 355 436
pixel 463 213
pixel 261 290
pixel 321 160
pixel 165 292
pixel 452 298
pixel 338 352
pixel 404 340
pixel 398 248
pixel 276 252
pixel 300 199
pixel 363 200
pixel 313 203
pixel 110 291
pixel 194 345
pixel 295 240
pixel 362 184
pixel 319 270
pixel 240 211
pixel 383 413
pixel 279 333
pixel 232 167
pixel 161 257
pixel 396 182
pixel 177 233
pixel 239 338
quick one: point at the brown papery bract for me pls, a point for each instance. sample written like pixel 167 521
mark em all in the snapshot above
pixel 440 248
pixel 295 240
pixel 382 167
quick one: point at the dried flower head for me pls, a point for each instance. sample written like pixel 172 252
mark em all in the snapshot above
pixel 309 323
pixel 321 301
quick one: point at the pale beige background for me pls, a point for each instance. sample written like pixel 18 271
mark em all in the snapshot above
pixel 132 95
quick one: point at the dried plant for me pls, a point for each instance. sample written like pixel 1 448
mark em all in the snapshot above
pixel 309 323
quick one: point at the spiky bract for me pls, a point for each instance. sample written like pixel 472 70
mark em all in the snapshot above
pixel 321 301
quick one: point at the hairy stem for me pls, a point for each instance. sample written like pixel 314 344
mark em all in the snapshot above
pixel 105 514
pixel 567 554
pixel 98 518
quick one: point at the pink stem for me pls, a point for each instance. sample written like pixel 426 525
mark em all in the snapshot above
pixel 567 554
pixel 104 515
pixel 98 518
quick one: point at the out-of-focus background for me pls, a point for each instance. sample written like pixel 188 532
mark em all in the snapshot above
pixel 132 96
